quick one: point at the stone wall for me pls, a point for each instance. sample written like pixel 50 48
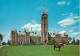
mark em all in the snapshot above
pixel 26 38
pixel 36 39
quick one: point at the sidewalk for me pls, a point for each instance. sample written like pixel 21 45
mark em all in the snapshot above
pixel 1 46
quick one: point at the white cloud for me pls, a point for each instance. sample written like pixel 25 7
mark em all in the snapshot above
pixel 62 32
pixel 70 30
pixel 64 3
pixel 68 3
pixel 8 34
pixel 33 25
pixel 76 17
pixel 69 20
pixel 71 14
pixel 74 33
pixel 61 3
pixel 33 21
pixel 6 37
pixel 65 14
pixel 66 22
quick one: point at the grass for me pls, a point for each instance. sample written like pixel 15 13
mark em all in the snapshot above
pixel 39 51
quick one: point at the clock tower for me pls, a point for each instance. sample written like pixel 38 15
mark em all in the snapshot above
pixel 44 26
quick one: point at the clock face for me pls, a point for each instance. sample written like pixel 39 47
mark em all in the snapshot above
pixel 44 16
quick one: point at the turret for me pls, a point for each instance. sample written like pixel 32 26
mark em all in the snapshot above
pixel 13 31
pixel 54 33
pixel 13 36
pixel 65 34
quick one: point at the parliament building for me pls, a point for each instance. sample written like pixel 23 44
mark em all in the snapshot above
pixel 26 36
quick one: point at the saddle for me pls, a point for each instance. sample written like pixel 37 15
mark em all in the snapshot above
pixel 56 45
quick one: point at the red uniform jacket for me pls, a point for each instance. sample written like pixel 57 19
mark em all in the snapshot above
pixel 57 43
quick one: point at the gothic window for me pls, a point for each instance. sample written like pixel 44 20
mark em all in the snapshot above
pixel 45 33
pixel 44 25
pixel 45 41
pixel 13 41
pixel 42 33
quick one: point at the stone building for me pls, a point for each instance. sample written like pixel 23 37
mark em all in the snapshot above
pixel 58 37
pixel 26 36
pixel 20 37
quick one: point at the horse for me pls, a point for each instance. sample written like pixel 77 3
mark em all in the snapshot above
pixel 62 45
pixel 57 46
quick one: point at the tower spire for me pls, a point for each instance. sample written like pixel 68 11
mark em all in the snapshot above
pixel 44 3
pixel 44 9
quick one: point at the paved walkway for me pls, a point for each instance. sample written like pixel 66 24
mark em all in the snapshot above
pixel 1 46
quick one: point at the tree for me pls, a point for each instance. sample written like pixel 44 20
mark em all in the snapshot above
pixel 73 42
pixel 64 42
pixel 77 42
pixel 54 42
pixel 32 42
pixel 8 43
pixel 69 39
pixel 1 37
pixel 3 43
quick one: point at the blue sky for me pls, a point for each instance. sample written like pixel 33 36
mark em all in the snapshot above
pixel 63 16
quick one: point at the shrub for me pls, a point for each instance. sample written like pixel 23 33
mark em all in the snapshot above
pixel 3 43
pixel 32 42
pixel 64 42
pixel 39 44
pixel 8 43
pixel 77 42
pixel 15 44
pixel 51 42
pixel 73 42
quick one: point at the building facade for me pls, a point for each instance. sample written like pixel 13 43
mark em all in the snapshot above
pixel 58 37
pixel 20 37
pixel 26 36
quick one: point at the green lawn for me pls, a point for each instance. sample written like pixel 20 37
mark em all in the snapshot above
pixel 39 51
